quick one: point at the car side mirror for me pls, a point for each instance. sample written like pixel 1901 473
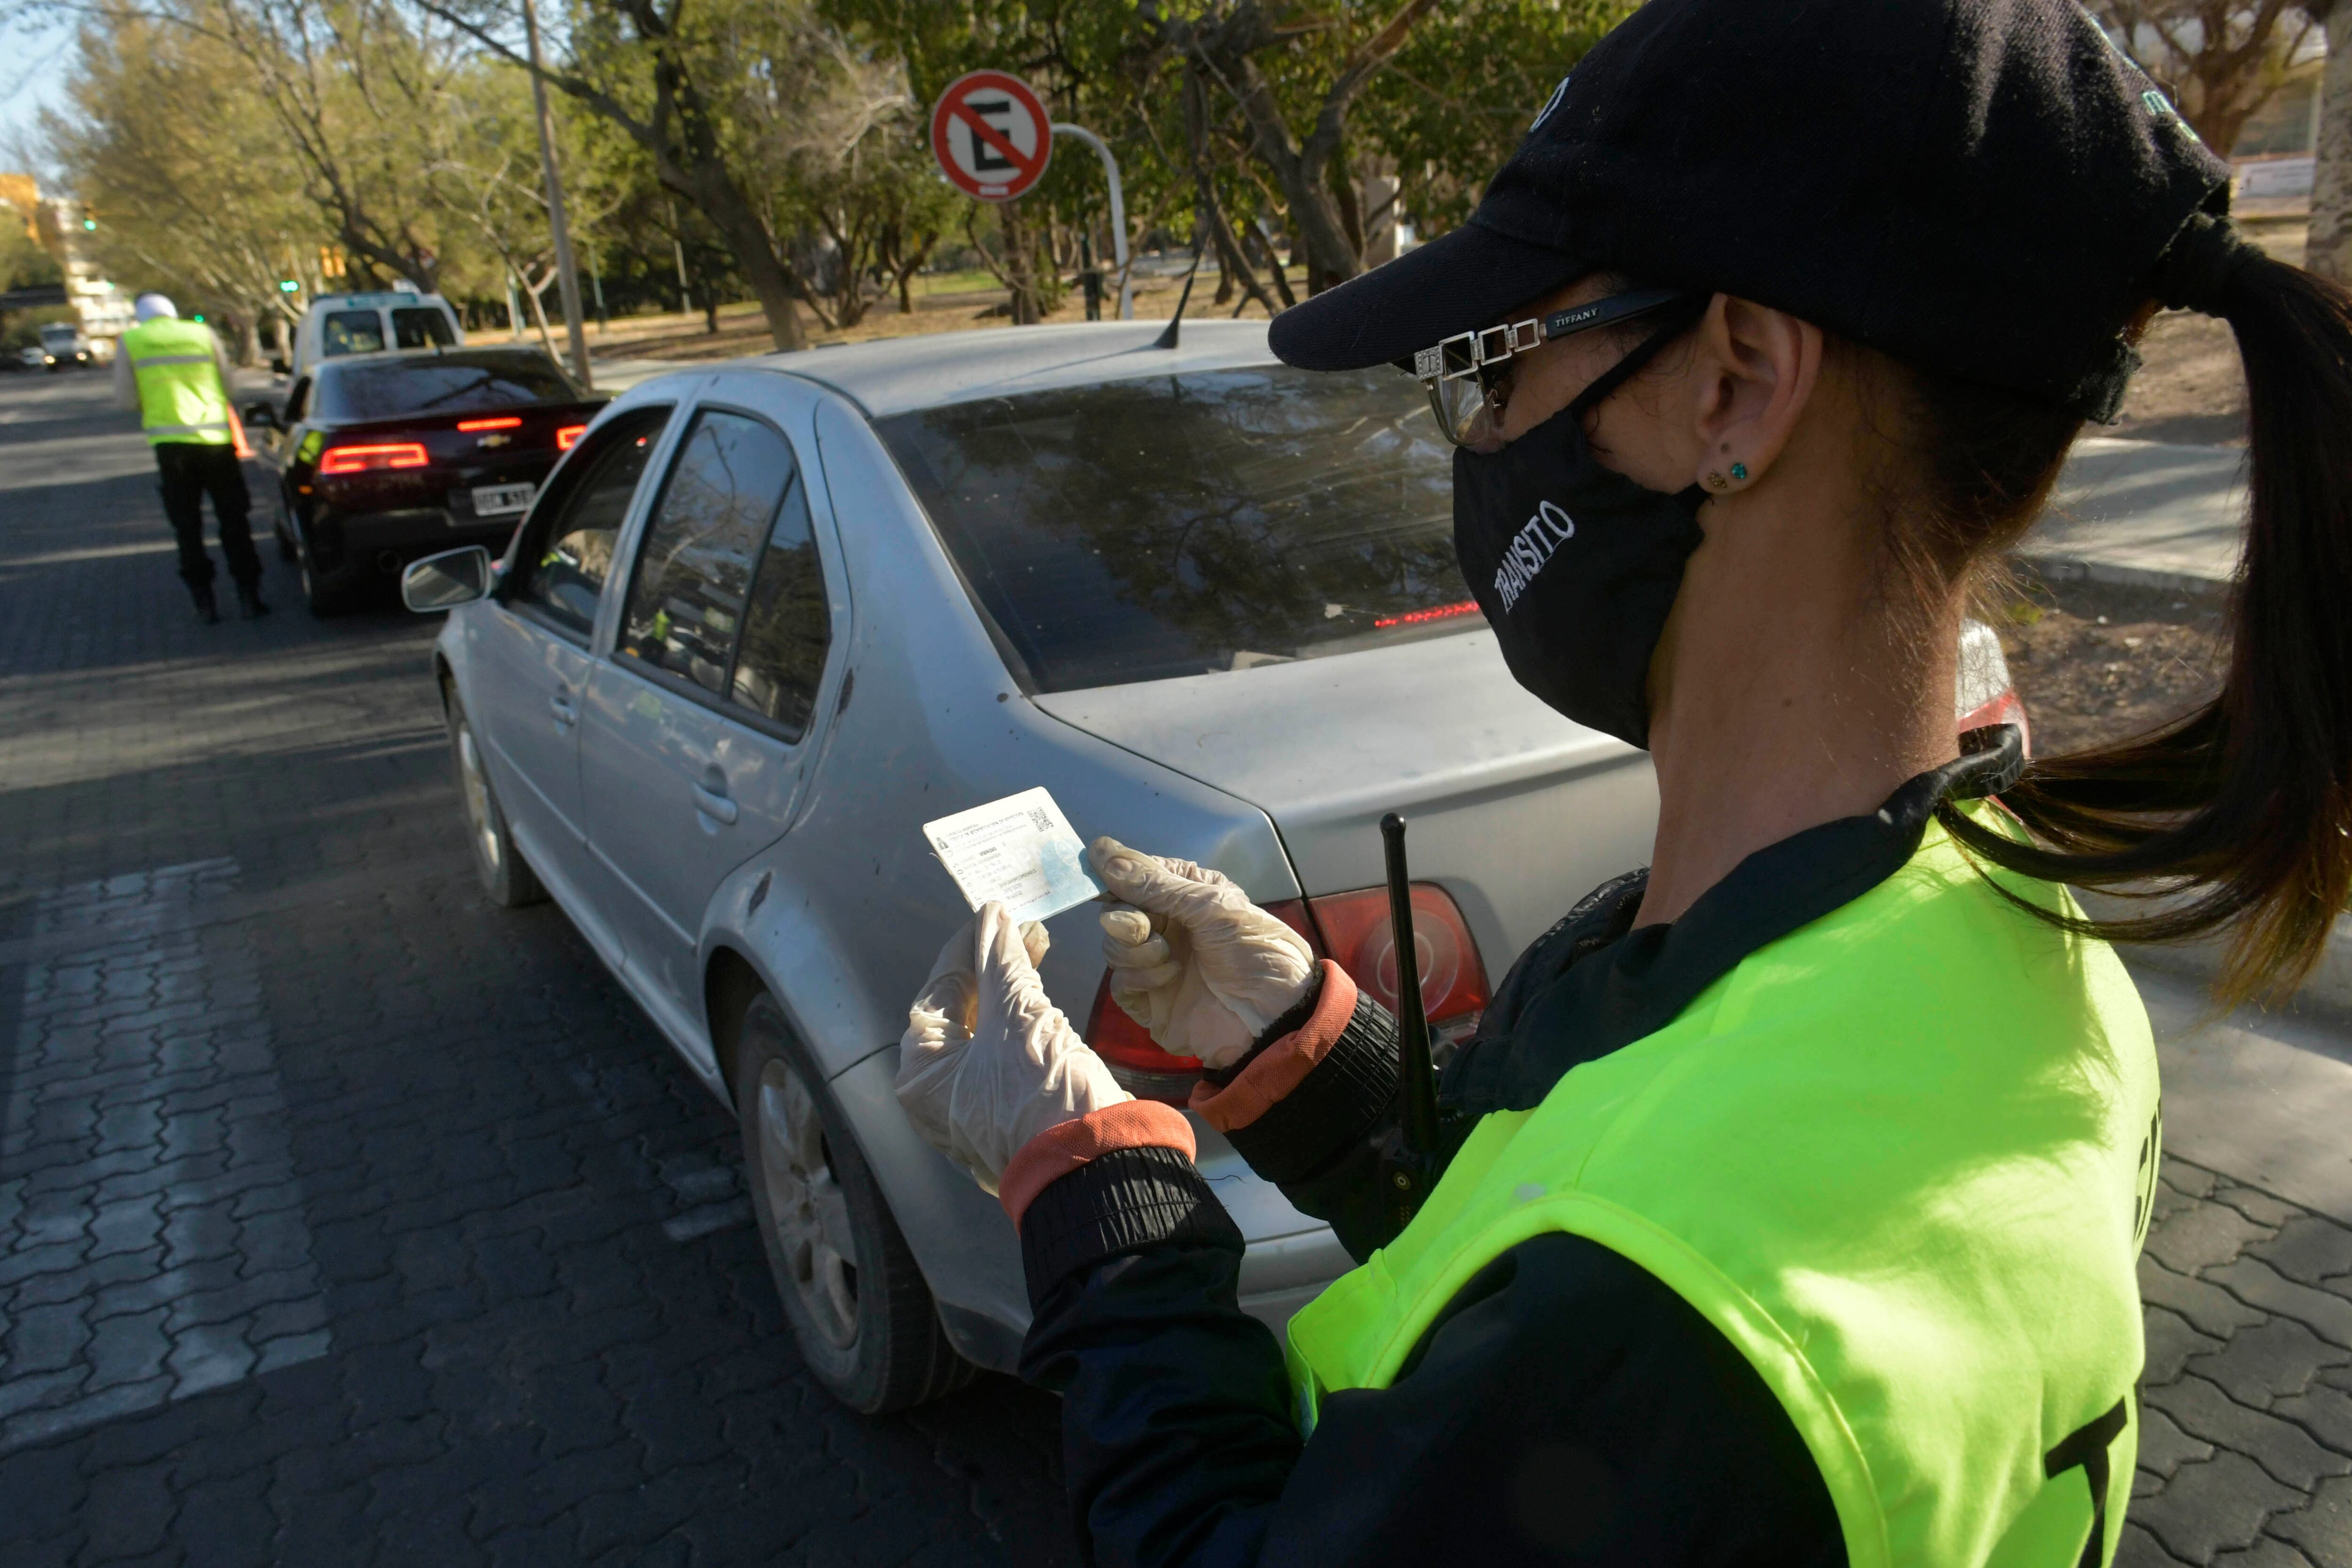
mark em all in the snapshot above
pixel 444 581
pixel 261 417
pixel 280 367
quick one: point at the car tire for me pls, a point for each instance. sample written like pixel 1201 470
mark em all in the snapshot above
pixel 506 877
pixel 287 551
pixel 858 1307
pixel 326 598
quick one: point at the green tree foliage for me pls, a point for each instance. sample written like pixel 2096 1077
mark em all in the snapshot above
pixel 214 217
pixel 24 263
pixel 1460 94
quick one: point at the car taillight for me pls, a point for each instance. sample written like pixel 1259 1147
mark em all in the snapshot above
pixel 511 422
pixel 1418 618
pixel 1141 1068
pixel 359 459
pixel 2008 708
pixel 569 436
pixel 1352 928
pixel 1453 979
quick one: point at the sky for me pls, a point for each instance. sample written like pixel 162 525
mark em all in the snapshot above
pixel 33 70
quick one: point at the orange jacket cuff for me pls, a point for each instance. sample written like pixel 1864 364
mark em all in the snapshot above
pixel 1284 1065
pixel 1065 1146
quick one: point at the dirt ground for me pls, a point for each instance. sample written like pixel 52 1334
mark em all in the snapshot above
pixel 742 330
pixel 2098 663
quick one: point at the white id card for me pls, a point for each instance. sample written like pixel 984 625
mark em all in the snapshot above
pixel 1021 851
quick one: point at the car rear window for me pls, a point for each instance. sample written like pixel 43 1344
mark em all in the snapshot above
pixel 421 327
pixel 351 333
pixel 1141 530
pixel 440 384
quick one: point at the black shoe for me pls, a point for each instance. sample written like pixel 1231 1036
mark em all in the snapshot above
pixel 207 610
pixel 248 601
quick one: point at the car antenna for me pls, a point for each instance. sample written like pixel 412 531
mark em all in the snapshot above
pixel 1167 339
pixel 1417 1079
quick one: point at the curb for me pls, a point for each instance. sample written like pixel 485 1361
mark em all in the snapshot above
pixel 2327 990
pixel 2076 569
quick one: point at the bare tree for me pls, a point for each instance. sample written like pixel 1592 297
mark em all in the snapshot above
pixel 1227 41
pixel 656 95
pixel 2221 59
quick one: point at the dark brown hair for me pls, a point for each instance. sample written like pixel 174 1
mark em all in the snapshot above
pixel 2235 820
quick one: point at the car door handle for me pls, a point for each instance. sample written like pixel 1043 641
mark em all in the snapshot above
pixel 566 715
pixel 712 805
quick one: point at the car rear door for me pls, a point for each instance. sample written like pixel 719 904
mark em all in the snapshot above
pixel 528 652
pixel 695 729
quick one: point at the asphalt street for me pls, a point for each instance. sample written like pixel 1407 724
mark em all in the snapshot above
pixel 345 1218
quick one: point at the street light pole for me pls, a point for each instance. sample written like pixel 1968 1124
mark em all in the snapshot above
pixel 567 281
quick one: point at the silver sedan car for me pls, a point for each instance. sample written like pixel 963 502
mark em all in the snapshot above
pixel 763 622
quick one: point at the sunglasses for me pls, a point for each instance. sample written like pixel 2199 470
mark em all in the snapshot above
pixel 1464 374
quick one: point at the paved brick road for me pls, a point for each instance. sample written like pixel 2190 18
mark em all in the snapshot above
pixel 344 1218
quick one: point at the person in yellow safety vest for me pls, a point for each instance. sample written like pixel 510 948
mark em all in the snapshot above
pixel 173 373
pixel 1783 1207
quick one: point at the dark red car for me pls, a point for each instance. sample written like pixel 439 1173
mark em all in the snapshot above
pixel 382 459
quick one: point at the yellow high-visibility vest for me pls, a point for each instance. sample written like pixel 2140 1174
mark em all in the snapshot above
pixel 181 397
pixel 1901 1159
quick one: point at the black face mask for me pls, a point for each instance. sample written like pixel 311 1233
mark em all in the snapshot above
pixel 1575 566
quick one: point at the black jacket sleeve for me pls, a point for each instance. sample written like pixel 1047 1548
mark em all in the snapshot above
pixel 1566 1409
pixel 1325 1142
pixel 1322 1143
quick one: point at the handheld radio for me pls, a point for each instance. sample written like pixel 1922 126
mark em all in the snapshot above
pixel 1412 1160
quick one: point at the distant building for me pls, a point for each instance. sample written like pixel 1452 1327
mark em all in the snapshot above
pixel 58 223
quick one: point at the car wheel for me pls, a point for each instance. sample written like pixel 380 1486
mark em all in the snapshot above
pixel 857 1304
pixel 506 877
pixel 325 596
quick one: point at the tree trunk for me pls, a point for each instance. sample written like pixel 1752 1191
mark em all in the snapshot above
pixel 1019 263
pixel 2328 250
pixel 710 188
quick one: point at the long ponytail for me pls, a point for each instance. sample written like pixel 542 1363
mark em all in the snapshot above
pixel 2237 818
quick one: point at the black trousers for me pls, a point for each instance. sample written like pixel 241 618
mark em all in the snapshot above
pixel 190 471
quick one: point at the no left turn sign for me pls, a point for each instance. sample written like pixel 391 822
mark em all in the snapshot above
pixel 992 135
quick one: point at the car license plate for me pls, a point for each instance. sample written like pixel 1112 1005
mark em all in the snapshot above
pixel 491 500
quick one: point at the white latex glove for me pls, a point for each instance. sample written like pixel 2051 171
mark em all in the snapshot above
pixel 988 1062
pixel 1194 961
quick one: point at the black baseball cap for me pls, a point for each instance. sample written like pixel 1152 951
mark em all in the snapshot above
pixel 1975 186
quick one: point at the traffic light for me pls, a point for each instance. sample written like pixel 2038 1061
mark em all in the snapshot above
pixel 288 286
pixel 198 317
pixel 89 223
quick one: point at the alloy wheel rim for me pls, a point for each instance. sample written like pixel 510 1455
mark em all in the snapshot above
pixel 478 795
pixel 807 1206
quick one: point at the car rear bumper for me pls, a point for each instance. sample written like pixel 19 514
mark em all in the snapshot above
pixel 388 539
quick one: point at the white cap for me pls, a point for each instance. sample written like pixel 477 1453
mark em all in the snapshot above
pixel 147 307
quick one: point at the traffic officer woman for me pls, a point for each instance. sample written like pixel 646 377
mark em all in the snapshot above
pixel 1796 1182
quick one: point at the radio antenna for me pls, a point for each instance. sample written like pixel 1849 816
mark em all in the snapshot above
pixel 1167 339
pixel 1417 1079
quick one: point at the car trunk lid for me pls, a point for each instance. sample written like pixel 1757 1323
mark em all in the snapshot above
pixel 1514 810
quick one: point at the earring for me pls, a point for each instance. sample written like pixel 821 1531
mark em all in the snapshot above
pixel 1715 480
pixel 1740 470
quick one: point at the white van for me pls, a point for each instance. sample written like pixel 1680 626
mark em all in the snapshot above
pixel 340 324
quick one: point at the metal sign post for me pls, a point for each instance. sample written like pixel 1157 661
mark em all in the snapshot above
pixel 1117 213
